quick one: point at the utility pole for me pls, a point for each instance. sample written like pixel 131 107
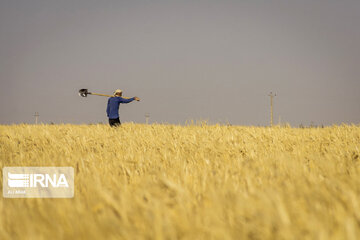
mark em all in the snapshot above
pixel 36 117
pixel 271 107
pixel 147 116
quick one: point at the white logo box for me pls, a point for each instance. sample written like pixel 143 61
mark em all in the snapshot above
pixel 38 182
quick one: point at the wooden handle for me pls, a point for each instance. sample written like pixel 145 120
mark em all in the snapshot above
pixel 99 94
pixel 104 95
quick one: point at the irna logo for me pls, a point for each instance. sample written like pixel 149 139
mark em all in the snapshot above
pixel 36 180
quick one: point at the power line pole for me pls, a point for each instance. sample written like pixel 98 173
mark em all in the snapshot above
pixel 271 108
pixel 36 117
pixel 147 116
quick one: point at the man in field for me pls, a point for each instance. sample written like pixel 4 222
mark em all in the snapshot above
pixel 112 109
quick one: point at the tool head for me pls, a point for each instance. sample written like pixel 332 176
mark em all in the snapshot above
pixel 83 92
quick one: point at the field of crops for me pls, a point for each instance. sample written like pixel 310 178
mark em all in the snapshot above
pixel 188 182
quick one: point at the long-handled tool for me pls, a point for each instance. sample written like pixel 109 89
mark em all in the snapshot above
pixel 84 92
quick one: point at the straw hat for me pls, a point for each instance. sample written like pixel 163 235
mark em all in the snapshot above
pixel 117 91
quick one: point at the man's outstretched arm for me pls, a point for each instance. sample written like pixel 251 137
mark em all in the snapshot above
pixel 124 100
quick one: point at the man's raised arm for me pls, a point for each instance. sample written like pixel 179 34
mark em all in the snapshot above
pixel 127 100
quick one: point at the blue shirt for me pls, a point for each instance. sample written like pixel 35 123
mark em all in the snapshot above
pixel 112 109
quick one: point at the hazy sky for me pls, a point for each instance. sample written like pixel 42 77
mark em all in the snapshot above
pixel 215 60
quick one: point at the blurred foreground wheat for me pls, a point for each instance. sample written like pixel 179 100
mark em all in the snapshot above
pixel 188 182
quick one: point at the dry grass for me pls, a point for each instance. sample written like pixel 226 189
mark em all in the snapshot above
pixel 188 182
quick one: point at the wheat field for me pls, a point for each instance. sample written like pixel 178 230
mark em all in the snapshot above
pixel 196 181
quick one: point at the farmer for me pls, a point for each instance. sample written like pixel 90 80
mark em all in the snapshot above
pixel 112 109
